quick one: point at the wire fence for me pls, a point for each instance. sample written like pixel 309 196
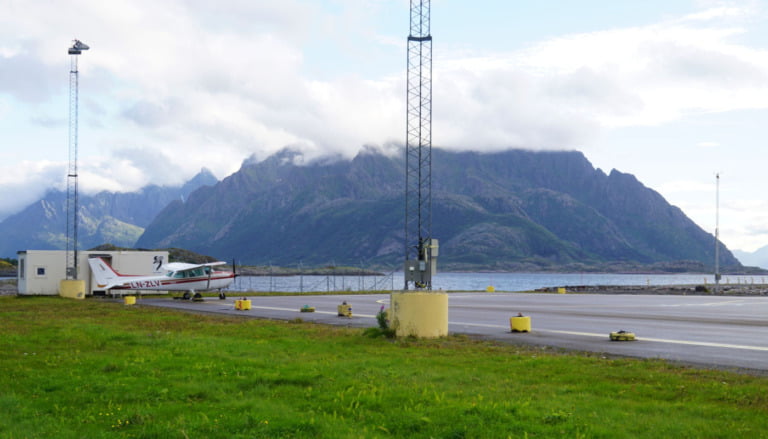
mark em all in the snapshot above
pixel 314 283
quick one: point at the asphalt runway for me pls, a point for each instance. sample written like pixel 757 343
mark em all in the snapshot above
pixel 709 331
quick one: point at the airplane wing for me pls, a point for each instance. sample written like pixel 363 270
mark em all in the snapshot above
pixel 177 266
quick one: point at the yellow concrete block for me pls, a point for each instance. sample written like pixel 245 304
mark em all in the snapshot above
pixel 490 289
pixel 520 324
pixel 344 310
pixel 242 304
pixel 419 314
pixel 72 289
pixel 560 290
pixel 622 336
pixel 129 300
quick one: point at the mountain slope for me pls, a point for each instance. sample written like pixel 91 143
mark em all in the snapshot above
pixel 106 217
pixel 758 258
pixel 503 210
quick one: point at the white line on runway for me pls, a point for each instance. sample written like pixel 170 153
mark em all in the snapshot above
pixel 728 302
pixel 272 308
pixel 714 345
pixel 658 340
pixel 553 331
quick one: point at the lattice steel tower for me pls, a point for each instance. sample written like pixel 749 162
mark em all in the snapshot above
pixel 420 248
pixel 74 51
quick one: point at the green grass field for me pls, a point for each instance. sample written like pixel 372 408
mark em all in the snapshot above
pixel 96 368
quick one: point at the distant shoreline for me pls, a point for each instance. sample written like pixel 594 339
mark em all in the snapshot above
pixel 680 290
pixel 352 271
pixel 10 288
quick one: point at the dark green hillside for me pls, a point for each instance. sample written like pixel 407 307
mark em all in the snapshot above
pixel 502 210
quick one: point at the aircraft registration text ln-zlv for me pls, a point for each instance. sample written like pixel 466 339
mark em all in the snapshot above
pixel 178 276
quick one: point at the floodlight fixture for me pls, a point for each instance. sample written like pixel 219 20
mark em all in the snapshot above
pixel 77 47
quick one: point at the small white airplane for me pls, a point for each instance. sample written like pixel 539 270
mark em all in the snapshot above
pixel 179 276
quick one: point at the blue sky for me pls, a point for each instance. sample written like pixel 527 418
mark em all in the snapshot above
pixel 670 91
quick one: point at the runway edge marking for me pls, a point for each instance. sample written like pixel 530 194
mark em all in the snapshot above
pixel 553 331
pixel 657 340
pixel 274 308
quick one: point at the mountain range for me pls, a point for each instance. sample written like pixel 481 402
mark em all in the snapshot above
pixel 513 210
pixel 510 210
pixel 106 217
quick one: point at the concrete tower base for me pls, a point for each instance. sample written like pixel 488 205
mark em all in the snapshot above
pixel 419 314
pixel 72 288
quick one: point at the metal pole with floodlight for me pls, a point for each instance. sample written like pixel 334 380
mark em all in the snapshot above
pixel 72 190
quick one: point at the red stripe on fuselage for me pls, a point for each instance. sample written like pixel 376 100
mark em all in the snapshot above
pixel 182 281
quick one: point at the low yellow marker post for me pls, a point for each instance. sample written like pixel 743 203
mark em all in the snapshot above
pixel 344 310
pixel 242 304
pixel 520 324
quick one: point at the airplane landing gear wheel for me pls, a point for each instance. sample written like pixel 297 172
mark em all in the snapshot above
pixel 197 297
pixel 186 295
pixel 222 296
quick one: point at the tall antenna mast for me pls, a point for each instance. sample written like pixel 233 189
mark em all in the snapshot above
pixel 717 233
pixel 74 51
pixel 420 248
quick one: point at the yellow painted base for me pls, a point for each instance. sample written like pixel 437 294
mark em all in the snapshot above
pixel 129 300
pixel 419 314
pixel 520 324
pixel 622 336
pixel 344 310
pixel 490 289
pixel 560 290
pixel 242 304
pixel 72 289
pixel 307 308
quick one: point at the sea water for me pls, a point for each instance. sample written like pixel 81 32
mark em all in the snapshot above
pixel 479 281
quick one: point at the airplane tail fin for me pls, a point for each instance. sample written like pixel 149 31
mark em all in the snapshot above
pixel 106 276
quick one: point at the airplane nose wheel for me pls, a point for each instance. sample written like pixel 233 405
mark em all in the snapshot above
pixel 222 295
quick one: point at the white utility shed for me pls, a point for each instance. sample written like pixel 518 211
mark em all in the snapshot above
pixel 40 271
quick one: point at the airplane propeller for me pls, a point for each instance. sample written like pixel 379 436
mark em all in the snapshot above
pixel 223 295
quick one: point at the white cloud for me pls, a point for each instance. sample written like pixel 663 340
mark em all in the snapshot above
pixel 234 77
pixel 665 71
pixel 26 182
pixel 687 186
pixel 169 87
pixel 5 107
pixel 717 13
